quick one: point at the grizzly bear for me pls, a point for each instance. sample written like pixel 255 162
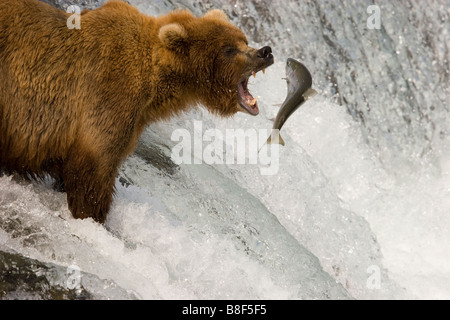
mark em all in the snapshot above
pixel 73 102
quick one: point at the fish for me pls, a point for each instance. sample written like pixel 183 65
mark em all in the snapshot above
pixel 299 83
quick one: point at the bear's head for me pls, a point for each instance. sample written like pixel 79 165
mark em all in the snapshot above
pixel 214 59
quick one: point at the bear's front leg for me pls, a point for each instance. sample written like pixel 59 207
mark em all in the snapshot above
pixel 89 185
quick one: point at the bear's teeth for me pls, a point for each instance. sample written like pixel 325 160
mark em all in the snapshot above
pixel 254 74
pixel 264 71
pixel 252 102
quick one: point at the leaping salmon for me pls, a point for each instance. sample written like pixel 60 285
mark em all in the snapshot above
pixel 299 83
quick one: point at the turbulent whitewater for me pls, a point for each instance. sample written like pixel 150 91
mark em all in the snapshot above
pixel 359 207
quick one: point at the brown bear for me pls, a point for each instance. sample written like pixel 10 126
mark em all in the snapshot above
pixel 73 102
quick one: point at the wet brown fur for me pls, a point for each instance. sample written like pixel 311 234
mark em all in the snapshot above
pixel 73 103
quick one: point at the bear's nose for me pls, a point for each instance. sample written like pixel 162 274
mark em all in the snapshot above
pixel 264 52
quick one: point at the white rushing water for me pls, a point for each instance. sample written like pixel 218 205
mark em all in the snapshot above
pixel 360 204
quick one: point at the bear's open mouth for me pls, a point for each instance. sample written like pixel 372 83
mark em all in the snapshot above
pixel 246 100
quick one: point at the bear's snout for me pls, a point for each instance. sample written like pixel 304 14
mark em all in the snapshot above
pixel 264 53
pixel 263 57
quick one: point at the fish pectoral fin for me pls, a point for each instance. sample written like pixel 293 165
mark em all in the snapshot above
pixel 309 93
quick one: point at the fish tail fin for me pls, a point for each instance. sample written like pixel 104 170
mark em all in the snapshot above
pixel 309 93
pixel 280 140
pixel 275 137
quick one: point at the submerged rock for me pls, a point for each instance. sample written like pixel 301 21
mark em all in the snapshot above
pixel 23 278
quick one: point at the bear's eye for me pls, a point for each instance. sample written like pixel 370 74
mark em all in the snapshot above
pixel 230 51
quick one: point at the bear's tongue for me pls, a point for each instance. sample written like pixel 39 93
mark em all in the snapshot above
pixel 246 100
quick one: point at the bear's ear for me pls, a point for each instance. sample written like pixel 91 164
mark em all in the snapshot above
pixel 217 15
pixel 174 37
